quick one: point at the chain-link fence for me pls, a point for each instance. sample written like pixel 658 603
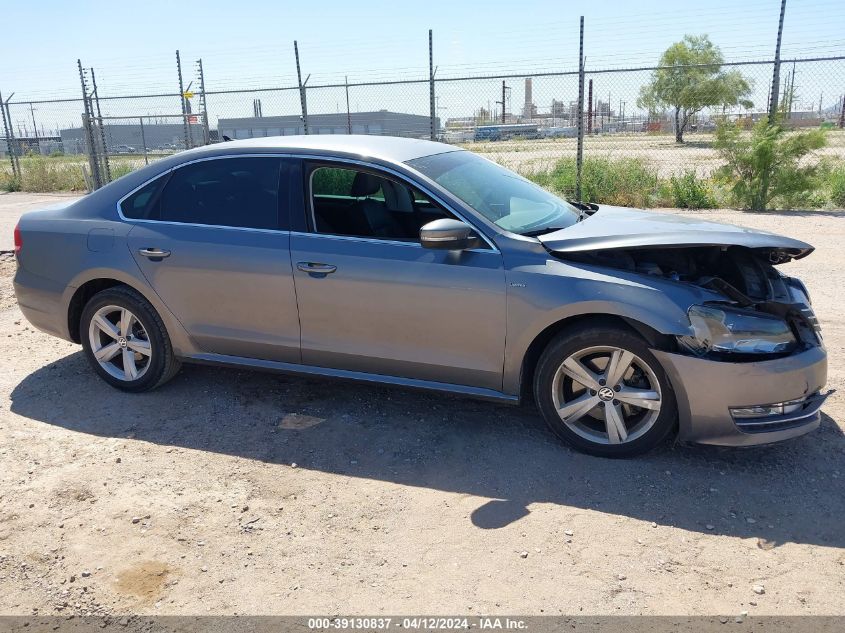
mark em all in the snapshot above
pixel 528 122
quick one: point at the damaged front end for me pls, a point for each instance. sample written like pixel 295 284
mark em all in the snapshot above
pixel 757 344
pixel 762 314
pixel 757 313
pixel 751 367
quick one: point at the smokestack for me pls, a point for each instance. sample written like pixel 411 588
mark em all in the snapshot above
pixel 528 109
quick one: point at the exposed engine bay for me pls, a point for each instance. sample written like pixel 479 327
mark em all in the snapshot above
pixel 735 271
pixel 745 277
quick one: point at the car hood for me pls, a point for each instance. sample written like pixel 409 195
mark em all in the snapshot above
pixel 620 227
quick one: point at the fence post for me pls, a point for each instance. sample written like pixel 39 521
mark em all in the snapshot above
pixel 579 156
pixel 8 134
pixel 206 135
pixel 182 102
pixel 89 133
pixel 773 99
pixel 143 140
pixel 348 114
pixel 302 100
pixel 431 106
pixel 106 166
pixel 842 113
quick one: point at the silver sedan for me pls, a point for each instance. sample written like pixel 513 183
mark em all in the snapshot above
pixel 418 264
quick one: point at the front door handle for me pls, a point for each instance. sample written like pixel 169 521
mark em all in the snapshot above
pixel 316 269
pixel 154 253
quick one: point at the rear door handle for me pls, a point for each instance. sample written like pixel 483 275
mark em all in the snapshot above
pixel 154 253
pixel 316 269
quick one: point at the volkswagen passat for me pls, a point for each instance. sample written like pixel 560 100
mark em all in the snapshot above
pixel 419 264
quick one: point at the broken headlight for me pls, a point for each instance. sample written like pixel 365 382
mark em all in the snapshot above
pixel 731 331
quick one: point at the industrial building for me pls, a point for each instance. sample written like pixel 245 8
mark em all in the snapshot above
pixel 152 135
pixel 382 122
pixel 44 145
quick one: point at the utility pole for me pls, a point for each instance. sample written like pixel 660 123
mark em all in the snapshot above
pixel 206 135
pixel 590 109
pixel 579 156
pixel 792 90
pixel 302 100
pixel 34 127
pixel 93 163
pixel 182 102
pixel 505 88
pixel 431 107
pixel 773 103
pixel 106 167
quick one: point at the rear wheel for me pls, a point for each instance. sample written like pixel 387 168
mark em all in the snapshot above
pixel 601 390
pixel 125 340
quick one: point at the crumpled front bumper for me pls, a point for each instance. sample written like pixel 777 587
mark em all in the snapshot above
pixel 706 391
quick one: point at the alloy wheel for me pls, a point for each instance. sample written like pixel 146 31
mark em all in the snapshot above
pixel 607 395
pixel 120 343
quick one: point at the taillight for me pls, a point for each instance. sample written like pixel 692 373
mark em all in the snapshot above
pixel 18 240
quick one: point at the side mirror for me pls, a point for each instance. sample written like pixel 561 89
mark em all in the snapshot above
pixel 448 234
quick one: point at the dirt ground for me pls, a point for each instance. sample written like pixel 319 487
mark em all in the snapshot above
pixel 230 492
pixel 14 204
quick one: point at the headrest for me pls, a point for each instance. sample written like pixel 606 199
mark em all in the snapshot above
pixel 397 197
pixel 365 185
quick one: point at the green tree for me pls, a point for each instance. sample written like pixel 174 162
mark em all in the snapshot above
pixel 690 78
pixel 765 165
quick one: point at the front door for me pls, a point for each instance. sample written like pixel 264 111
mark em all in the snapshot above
pixel 371 299
pixel 215 248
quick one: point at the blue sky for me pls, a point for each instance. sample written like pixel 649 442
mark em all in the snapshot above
pixel 249 44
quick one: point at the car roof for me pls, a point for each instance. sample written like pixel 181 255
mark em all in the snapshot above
pixel 392 149
pixel 385 149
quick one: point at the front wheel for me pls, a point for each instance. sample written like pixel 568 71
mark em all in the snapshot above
pixel 601 390
pixel 125 340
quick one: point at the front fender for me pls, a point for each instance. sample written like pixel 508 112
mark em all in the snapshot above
pixel 542 295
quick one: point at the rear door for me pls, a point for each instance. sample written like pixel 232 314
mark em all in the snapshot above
pixel 213 242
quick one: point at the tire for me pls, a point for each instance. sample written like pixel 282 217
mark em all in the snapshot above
pixel 589 419
pixel 138 359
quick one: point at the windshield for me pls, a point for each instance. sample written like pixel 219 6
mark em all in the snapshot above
pixel 503 197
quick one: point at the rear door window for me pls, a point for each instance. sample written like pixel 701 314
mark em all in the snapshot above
pixel 233 192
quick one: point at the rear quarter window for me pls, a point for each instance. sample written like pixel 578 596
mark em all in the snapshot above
pixel 143 204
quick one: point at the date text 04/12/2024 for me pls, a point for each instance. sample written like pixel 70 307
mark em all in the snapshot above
pixel 417 623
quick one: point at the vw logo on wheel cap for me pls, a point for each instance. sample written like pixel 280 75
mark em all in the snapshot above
pixel 122 342
pixel 606 394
